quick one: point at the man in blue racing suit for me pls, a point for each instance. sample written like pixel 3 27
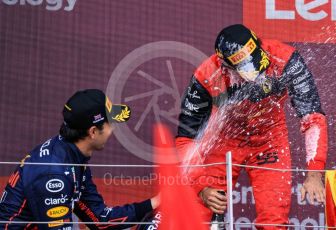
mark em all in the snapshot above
pixel 53 182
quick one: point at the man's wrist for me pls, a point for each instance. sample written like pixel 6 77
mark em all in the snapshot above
pixel 201 193
pixel 155 201
pixel 314 174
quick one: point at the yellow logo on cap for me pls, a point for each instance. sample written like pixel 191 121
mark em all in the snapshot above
pixel 67 107
pixel 57 212
pixel 244 52
pixel 254 35
pixel 219 54
pixel 125 113
pixel 264 62
pixel 108 104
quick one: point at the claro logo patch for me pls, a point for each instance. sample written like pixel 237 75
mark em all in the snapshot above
pixel 54 185
pixel 292 21
pixel 57 212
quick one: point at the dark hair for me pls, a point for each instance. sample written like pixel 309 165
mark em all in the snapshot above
pixel 74 135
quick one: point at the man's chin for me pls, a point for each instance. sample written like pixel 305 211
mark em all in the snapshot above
pixel 249 78
pixel 99 148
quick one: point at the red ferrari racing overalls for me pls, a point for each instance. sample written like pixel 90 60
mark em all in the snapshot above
pixel 221 112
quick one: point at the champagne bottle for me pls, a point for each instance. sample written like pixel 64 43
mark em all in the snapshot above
pixel 217 220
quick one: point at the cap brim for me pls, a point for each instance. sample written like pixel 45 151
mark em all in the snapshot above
pixel 119 113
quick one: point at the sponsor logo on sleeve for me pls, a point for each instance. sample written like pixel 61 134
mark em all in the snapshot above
pixel 44 151
pixel 191 106
pixel 303 87
pixel 155 222
pixel 296 68
pixel 106 212
pixel 193 94
pixel 57 212
pixel 301 78
pixel 54 185
pixel 186 112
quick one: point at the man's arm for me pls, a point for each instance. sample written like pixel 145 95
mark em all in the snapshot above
pixel 195 112
pixel 91 208
pixel 306 101
pixel 196 108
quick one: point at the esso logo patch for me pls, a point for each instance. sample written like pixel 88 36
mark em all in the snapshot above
pixel 54 185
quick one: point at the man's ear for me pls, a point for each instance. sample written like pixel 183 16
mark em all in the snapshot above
pixel 92 132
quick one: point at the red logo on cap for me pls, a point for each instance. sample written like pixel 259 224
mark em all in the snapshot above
pixel 243 53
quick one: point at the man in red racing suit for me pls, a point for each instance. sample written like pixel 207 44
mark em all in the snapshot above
pixel 235 102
